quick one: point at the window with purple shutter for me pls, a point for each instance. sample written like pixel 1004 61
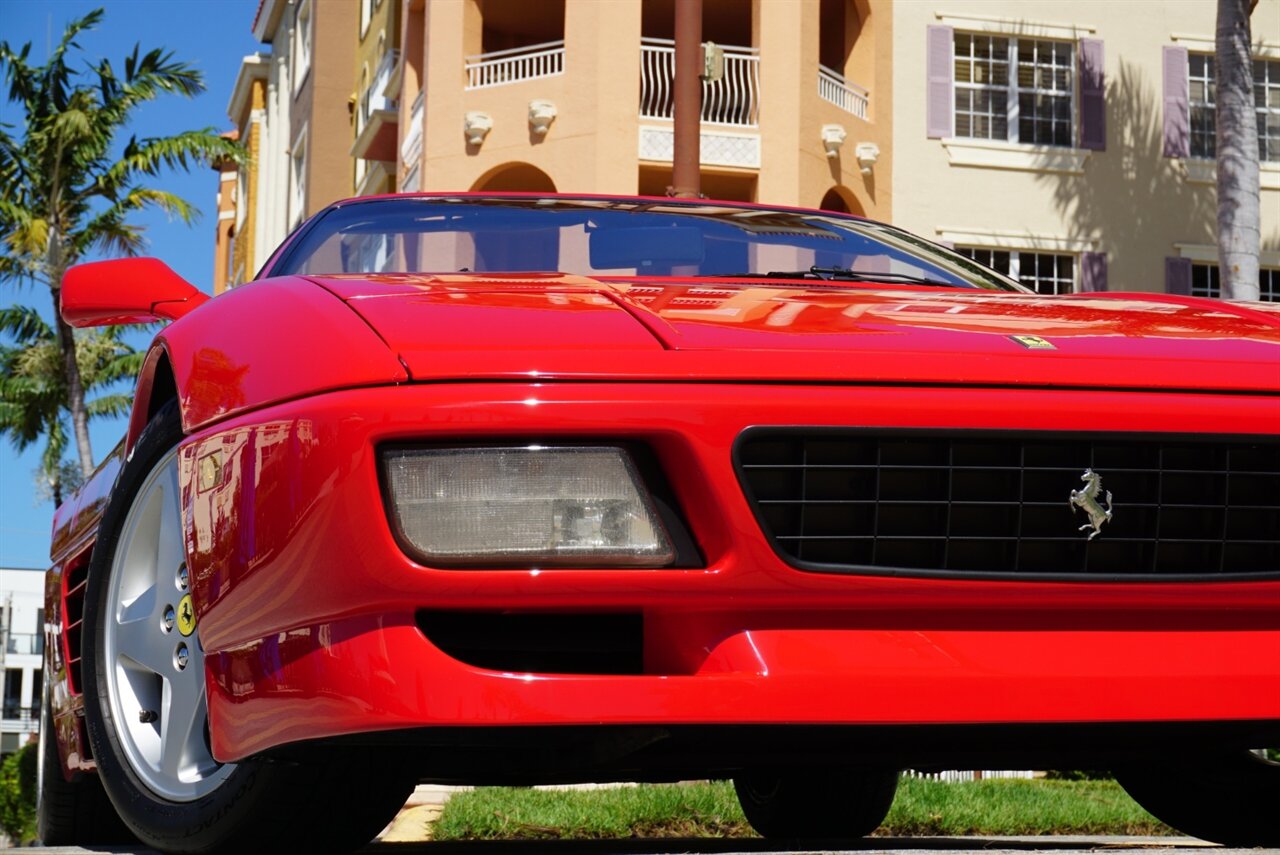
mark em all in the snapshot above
pixel 1176 118
pixel 1093 271
pixel 940 97
pixel 1093 115
pixel 1177 275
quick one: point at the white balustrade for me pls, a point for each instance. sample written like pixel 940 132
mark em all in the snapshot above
pixel 500 67
pixel 373 97
pixel 734 99
pixel 834 88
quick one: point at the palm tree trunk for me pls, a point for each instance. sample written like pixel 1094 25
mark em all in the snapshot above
pixel 75 389
pixel 1237 138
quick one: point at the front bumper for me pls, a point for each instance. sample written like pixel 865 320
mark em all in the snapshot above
pixel 307 606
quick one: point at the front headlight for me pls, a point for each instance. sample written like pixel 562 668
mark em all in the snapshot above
pixel 533 506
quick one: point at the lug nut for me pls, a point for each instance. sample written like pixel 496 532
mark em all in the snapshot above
pixel 147 716
pixel 182 576
pixel 180 657
pixel 170 617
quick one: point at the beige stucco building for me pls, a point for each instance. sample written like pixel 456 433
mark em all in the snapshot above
pixel 224 249
pixel 575 95
pixel 294 109
pixel 1071 143
pixel 247 190
pixel 377 89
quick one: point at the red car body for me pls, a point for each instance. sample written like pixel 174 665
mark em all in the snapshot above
pixel 317 625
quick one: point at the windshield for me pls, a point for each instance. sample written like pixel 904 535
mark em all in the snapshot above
pixel 619 237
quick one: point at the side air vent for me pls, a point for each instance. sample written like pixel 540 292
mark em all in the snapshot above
pixel 75 578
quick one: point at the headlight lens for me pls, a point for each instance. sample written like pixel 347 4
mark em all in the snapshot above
pixel 534 506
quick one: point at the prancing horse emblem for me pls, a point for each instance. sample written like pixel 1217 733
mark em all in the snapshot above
pixel 1088 500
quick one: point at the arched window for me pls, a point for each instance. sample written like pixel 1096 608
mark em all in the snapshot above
pixel 841 200
pixel 515 177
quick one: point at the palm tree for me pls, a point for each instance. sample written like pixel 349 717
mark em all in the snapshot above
pixel 1237 140
pixel 33 397
pixel 64 191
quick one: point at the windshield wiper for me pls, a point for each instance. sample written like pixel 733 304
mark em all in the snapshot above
pixel 844 274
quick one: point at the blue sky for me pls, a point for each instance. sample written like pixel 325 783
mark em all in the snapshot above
pixel 212 35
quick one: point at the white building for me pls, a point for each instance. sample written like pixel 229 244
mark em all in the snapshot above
pixel 21 655
pixel 1071 145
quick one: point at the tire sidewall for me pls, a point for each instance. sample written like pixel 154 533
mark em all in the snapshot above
pixel 176 826
pixel 1228 797
pixel 831 803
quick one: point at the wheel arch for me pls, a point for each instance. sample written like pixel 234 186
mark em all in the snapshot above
pixel 156 387
pixel 257 345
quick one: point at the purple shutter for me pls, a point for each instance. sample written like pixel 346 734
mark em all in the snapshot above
pixel 1093 271
pixel 1093 108
pixel 1177 138
pixel 940 70
pixel 1177 275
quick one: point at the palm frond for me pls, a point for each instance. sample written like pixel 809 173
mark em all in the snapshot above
pixel 24 325
pixel 64 191
pixel 110 405
pixel 181 151
pixel 109 233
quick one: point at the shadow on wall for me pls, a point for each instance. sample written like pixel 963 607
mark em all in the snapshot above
pixel 1132 189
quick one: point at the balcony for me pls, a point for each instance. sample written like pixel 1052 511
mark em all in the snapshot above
pixel 502 67
pixel 377 115
pixel 834 88
pixel 24 643
pixel 734 99
pixel 732 102
pixel 19 718
pixel 411 147
pixel 374 177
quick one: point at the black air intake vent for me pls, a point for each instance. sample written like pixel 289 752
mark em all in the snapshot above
pixel 538 643
pixel 850 500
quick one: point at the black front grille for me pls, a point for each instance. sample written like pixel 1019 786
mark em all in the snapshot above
pixel 845 500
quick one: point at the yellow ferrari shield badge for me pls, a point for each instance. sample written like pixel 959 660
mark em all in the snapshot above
pixel 186 616
pixel 1034 342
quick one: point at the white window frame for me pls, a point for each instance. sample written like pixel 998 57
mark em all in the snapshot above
pixel 1272 83
pixel 1213 275
pixel 366 16
pixel 298 178
pixel 303 35
pixel 1012 90
pixel 1015 263
pixel 1209 102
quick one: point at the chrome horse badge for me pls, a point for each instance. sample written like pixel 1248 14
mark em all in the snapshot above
pixel 1088 500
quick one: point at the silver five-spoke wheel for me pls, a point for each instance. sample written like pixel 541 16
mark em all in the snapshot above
pixel 154 662
pixel 147 715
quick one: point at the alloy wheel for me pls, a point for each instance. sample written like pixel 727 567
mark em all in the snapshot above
pixel 154 661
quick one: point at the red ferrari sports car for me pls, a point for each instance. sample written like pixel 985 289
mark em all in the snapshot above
pixel 530 488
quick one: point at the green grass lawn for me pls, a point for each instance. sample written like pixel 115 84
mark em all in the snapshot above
pixel 922 807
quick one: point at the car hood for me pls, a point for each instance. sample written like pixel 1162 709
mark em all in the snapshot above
pixel 556 326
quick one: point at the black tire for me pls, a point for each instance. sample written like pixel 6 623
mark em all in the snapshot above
pixel 75 812
pixel 808 804
pixel 1232 798
pixel 249 806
